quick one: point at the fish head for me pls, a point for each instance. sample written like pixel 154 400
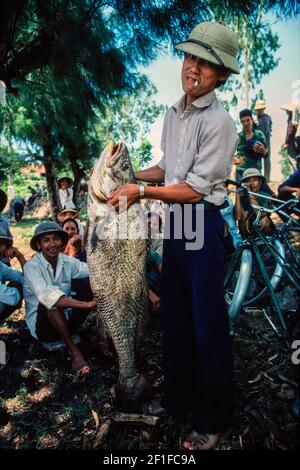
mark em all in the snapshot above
pixel 111 170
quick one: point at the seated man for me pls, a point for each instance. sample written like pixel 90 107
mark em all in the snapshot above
pixel 11 294
pixel 51 313
pixel 291 187
pixel 254 180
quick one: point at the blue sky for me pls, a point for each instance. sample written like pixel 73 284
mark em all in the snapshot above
pixel 277 86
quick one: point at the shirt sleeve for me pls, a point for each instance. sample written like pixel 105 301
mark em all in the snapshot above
pixel 10 295
pixel 46 294
pixel 214 160
pixel 9 274
pixel 162 161
pixel 79 269
pixel 293 180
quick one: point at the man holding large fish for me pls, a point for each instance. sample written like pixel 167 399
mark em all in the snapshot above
pixel 198 142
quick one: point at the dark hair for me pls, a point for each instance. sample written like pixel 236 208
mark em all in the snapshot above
pixel 70 220
pixel 150 214
pixel 246 112
pixel 7 242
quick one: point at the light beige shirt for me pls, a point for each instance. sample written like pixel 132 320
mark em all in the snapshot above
pixel 41 285
pixel 198 145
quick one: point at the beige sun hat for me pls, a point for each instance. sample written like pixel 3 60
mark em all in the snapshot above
pixel 260 104
pixel 290 106
pixel 213 42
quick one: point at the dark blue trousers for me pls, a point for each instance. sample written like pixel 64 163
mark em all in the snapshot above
pixel 197 347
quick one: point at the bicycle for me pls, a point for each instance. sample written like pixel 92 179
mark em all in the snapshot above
pixel 259 262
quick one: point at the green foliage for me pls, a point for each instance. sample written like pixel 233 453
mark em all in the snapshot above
pixel 141 156
pixel 128 119
pixel 10 163
pixel 285 163
pixel 256 37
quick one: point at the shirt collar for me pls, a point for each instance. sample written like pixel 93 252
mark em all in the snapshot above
pixel 201 102
pixel 47 265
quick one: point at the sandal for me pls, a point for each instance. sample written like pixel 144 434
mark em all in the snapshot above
pixel 203 441
pixel 154 408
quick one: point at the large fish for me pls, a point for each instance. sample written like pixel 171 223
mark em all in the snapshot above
pixel 116 246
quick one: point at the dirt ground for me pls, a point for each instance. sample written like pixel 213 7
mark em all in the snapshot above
pixel 42 404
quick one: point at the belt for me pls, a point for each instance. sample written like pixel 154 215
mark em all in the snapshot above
pixel 208 206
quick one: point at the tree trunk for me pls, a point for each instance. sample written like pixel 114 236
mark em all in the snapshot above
pixel 50 179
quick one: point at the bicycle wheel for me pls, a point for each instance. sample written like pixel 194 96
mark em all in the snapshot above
pixel 237 281
pixel 257 291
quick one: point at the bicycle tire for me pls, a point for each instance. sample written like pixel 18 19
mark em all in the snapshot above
pixel 275 278
pixel 236 298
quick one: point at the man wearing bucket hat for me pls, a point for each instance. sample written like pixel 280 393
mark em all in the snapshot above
pixel 11 293
pixel 198 142
pixel 66 192
pixel 51 313
pixel 264 124
pixel 254 180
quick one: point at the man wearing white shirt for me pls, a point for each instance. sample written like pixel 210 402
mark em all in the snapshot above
pixel 51 313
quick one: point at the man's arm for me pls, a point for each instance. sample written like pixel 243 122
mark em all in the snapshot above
pixel 65 302
pixel 13 252
pixel 181 192
pixel 290 189
pixel 154 174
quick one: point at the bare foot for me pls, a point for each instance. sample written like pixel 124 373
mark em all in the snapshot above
pixel 79 365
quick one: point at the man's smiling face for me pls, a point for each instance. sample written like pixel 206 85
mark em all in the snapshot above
pixel 199 77
pixel 50 244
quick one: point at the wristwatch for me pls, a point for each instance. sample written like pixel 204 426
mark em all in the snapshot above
pixel 142 190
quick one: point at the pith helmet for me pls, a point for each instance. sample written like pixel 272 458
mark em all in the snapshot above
pixel 213 42
pixel 260 104
pixel 47 227
pixel 252 172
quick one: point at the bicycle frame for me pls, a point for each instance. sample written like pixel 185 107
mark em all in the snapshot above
pixel 252 243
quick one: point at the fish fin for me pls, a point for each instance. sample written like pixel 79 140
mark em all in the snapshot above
pixel 85 234
pixel 94 239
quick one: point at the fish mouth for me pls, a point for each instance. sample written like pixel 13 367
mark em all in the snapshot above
pixel 114 153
